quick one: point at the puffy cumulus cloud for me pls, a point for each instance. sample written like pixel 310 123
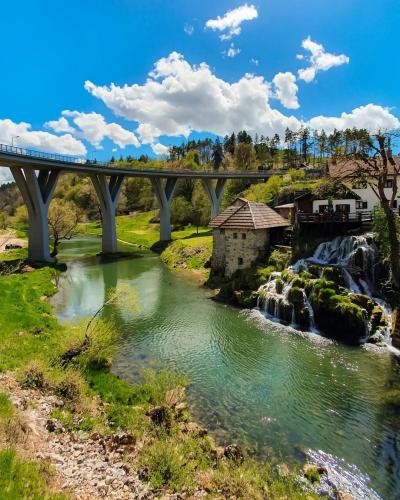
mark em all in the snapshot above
pixel 286 90
pixel 179 98
pixel 230 22
pixel 232 51
pixel 160 149
pixel 62 144
pixel 371 117
pixel 319 60
pixel 60 125
pixel 95 129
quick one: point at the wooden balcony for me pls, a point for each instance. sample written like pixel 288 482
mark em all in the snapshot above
pixel 351 218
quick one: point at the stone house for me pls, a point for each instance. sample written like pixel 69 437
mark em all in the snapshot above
pixel 242 234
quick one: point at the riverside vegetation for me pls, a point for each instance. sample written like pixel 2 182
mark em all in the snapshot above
pixel 145 432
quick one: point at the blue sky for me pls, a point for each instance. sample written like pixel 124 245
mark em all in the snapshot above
pixel 51 48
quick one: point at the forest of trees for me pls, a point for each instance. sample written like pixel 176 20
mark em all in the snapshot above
pixel 242 151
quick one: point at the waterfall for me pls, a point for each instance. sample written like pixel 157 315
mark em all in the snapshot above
pixel 354 257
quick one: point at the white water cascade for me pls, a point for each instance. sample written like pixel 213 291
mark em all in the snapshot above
pixel 354 257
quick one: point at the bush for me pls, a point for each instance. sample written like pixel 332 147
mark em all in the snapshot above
pixel 33 376
pixel 280 260
pixel 166 467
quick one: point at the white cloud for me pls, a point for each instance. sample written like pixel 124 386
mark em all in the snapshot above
pixel 286 90
pixel 319 60
pixel 95 129
pixel 5 176
pixel 256 62
pixel 188 29
pixel 371 117
pixel 231 21
pixel 178 98
pixel 232 51
pixel 160 149
pixel 60 125
pixel 37 139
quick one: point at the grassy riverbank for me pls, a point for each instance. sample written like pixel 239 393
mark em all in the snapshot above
pixel 189 249
pixel 171 452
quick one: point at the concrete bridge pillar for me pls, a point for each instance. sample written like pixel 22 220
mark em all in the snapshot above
pixel 214 193
pixel 164 194
pixel 37 191
pixel 108 192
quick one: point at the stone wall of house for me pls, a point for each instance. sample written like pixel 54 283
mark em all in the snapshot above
pixel 235 249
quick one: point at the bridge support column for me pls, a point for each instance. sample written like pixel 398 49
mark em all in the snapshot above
pixel 164 194
pixel 108 192
pixel 36 191
pixel 214 193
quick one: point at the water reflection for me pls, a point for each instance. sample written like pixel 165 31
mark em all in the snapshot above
pixel 250 379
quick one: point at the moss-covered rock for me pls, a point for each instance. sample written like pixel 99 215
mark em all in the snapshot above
pixel 336 315
pixel 363 301
pixel 333 274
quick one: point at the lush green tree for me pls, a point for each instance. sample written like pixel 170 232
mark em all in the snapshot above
pixel 244 138
pixel 200 207
pixel 217 154
pixel 244 156
pixel 230 144
pixel 181 211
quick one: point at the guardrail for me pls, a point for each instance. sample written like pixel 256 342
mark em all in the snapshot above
pixel 311 218
pixel 16 150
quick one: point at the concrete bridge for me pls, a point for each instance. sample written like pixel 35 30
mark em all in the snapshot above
pixel 36 174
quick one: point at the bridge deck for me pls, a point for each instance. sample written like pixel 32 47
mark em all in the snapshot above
pixel 21 157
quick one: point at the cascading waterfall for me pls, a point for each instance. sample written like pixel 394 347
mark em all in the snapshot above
pixel 287 298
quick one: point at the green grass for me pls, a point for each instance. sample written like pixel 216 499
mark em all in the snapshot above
pixel 17 254
pixel 29 329
pixel 140 230
pixel 23 479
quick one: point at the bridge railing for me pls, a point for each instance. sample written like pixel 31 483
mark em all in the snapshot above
pixel 20 151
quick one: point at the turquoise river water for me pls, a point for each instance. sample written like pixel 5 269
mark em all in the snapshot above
pixel 285 393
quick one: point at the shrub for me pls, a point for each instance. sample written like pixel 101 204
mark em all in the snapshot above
pixel 165 465
pixel 33 376
pixel 280 260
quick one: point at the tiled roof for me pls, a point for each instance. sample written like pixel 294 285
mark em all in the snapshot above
pixel 244 214
pixel 352 168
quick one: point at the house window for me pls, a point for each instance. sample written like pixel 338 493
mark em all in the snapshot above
pixel 222 231
pixel 244 235
pixel 395 204
pixel 389 183
pixel 361 204
pixel 240 261
pixel 343 208
pixel 235 236
pixel 323 208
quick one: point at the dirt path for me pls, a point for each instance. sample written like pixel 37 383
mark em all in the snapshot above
pixel 10 239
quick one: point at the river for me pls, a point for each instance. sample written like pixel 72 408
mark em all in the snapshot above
pixel 251 380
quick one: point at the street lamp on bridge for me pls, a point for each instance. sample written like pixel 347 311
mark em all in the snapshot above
pixel 12 139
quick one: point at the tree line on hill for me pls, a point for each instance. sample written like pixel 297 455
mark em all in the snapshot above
pixel 241 151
